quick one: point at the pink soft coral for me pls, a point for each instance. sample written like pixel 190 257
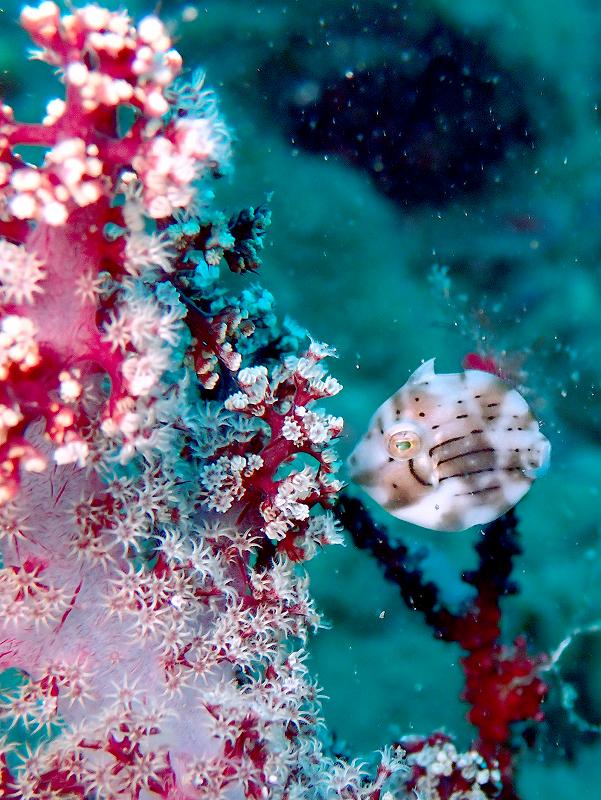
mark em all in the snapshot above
pixel 151 604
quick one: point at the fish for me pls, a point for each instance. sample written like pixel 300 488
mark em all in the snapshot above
pixel 450 451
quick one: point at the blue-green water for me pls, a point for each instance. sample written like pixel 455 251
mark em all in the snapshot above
pixel 356 267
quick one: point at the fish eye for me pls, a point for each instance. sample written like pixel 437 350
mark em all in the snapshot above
pixel 404 444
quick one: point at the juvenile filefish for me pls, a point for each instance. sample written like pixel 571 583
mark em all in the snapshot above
pixel 450 451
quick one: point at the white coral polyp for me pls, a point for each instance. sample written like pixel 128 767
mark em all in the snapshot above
pixel 292 431
pixel 142 373
pixel 237 402
pixel 196 138
pixel 21 273
pixel 17 344
pixel 73 452
pixel 254 382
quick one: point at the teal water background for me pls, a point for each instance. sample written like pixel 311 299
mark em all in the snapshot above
pixel 358 271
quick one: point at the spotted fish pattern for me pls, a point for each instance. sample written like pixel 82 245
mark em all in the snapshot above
pixel 450 451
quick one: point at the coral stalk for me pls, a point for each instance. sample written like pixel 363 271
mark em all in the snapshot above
pixel 502 684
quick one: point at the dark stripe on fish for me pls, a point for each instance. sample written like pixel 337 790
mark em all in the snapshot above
pixel 478 491
pixel 466 474
pixel 442 444
pixel 468 453
pixel 415 475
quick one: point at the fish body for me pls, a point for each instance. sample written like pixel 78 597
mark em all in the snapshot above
pixel 450 451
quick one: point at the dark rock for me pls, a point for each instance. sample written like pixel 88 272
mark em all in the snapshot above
pixel 424 113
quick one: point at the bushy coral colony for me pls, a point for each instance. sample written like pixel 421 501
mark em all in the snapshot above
pixel 151 608
pixel 164 470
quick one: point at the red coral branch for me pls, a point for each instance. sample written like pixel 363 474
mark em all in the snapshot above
pixel 502 684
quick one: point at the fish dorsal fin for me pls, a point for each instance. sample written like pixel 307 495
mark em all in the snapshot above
pixel 424 372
